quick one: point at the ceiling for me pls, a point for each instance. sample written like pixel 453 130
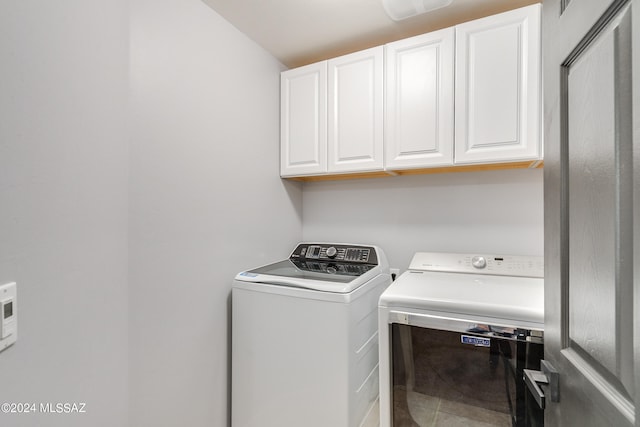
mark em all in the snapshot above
pixel 299 32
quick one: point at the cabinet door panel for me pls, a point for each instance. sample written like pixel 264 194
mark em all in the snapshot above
pixel 355 112
pixel 419 101
pixel 303 145
pixel 498 88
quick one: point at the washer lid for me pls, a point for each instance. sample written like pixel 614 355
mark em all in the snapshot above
pixel 500 297
pixel 316 275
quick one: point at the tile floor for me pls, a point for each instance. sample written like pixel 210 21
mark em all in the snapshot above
pixel 434 412
pixel 419 410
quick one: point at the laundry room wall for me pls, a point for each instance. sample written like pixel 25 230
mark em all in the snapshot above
pixel 63 208
pixel 206 202
pixel 489 212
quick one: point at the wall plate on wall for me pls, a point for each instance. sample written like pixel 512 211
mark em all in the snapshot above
pixel 8 315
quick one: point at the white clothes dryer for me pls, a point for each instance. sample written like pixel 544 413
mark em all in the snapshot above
pixel 456 333
pixel 305 338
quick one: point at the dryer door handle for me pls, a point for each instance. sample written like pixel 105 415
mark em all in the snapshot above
pixel 548 378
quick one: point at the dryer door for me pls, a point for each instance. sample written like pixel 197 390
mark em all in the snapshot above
pixel 463 377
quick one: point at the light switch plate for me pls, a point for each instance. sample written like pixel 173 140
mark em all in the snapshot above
pixel 8 315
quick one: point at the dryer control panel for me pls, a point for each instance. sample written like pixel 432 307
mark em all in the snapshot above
pixel 343 253
pixel 498 265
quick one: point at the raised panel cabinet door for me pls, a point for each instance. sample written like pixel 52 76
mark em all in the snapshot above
pixel 355 111
pixel 419 101
pixel 498 92
pixel 303 120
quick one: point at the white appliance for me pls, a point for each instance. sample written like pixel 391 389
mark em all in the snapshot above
pixel 456 333
pixel 305 338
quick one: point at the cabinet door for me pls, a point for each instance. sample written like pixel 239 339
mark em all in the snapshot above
pixel 356 112
pixel 497 110
pixel 419 101
pixel 303 120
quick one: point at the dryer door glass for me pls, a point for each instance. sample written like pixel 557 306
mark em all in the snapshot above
pixel 463 378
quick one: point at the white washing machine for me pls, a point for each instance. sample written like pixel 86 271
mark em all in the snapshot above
pixel 456 333
pixel 305 338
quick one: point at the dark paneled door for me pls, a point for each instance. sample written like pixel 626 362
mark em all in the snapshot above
pixel 592 192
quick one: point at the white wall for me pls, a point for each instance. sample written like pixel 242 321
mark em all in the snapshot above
pixel 206 202
pixel 497 212
pixel 63 207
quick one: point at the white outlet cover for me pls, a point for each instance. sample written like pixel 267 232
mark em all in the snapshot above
pixel 8 315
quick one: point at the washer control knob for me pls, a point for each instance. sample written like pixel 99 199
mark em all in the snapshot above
pixel 479 262
pixel 332 252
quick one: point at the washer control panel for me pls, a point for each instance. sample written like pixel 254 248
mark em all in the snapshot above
pixel 332 268
pixel 335 252
pixel 499 265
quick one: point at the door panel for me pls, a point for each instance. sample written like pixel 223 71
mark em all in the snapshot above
pixel 493 82
pixel 303 148
pixel 592 202
pixel 589 216
pixel 419 101
pixel 355 111
pixel 497 87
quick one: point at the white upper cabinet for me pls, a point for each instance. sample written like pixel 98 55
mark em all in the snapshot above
pixel 469 94
pixel 303 120
pixel 419 127
pixel 497 85
pixel 355 108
